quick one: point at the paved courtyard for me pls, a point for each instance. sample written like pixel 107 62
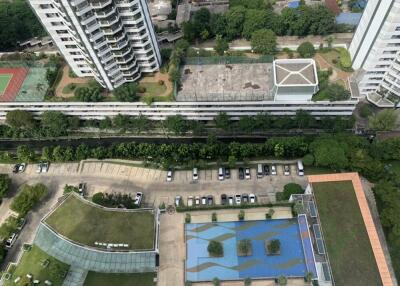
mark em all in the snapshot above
pixel 226 82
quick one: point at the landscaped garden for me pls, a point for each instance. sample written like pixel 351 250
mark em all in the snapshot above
pixel 349 248
pixel 37 265
pixel 87 223
pixel 106 279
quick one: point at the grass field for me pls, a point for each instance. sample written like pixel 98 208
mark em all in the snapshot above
pixel 107 279
pixel 4 80
pixel 348 245
pixel 153 88
pixel 31 263
pixel 82 222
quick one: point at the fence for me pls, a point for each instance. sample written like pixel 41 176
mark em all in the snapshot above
pixel 227 60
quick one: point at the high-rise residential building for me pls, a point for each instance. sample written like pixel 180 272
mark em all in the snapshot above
pixel 375 52
pixel 111 40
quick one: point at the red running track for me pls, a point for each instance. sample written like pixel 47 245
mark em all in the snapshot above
pixel 15 83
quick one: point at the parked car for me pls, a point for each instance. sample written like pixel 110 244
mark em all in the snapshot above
pixel 178 201
pixel 238 199
pixel 210 200
pixel 245 198
pixel 286 169
pixel 221 174
pixel 82 189
pixel 195 175
pixel 241 173
pixel 273 170
pixel 203 200
pixel 223 199
pixel 45 167
pixel 230 200
pixel 190 201
pixel 227 173
pixel 300 168
pixel 39 168
pixel 266 170
pixel 169 175
pixel 21 167
pixel 197 200
pixel 11 240
pixel 21 223
pixel 15 168
pixel 138 199
pixel 247 173
pixel 260 171
pixel 252 198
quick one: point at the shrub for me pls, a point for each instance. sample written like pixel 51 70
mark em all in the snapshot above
pixel 365 111
pixel 344 58
pixel 244 247
pixel 308 277
pixel 214 217
pixel 273 247
pixel 247 281
pixel 5 183
pixel 282 280
pixel 188 283
pixel 161 82
pixel 141 89
pixel 297 208
pixel 308 160
pixel 98 198
pixel 215 249
pixel 68 189
pixel 241 215
pixel 28 197
pixel 269 214
pixel 289 189
pixel 88 94
pixel 306 50
pixel 216 282
pixel 8 227
pixel 126 92
pixel 188 218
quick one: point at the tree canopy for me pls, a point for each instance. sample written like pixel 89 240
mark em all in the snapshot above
pixel 264 41
pixel 384 120
pixel 20 119
pixel 126 92
pixel 306 50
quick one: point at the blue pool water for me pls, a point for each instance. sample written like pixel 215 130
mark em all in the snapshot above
pixel 290 263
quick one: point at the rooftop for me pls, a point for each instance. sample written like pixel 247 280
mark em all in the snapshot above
pixel 295 72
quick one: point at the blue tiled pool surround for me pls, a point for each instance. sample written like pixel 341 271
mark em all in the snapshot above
pixel 290 263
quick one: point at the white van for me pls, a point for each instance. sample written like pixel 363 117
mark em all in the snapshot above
pixel 221 175
pixel 300 168
pixel 260 172
pixel 11 240
pixel 195 174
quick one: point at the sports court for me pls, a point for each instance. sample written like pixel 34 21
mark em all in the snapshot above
pixel 11 80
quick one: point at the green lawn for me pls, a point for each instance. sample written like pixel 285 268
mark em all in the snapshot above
pixel 107 279
pixel 348 245
pixel 85 223
pixel 4 80
pixel 31 263
pixel 153 88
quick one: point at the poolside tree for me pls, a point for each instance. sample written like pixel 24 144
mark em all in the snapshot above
pixel 216 281
pixel 282 280
pixel 215 248
pixel 273 247
pixel 247 281
pixel 244 247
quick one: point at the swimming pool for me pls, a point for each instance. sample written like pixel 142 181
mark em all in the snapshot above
pixel 290 263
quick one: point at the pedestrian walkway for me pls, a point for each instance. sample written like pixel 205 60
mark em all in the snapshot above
pixel 76 276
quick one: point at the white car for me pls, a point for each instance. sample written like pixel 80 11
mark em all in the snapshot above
pixel 190 201
pixel 11 240
pixel 247 173
pixel 203 201
pixel 39 168
pixel 221 174
pixel 238 199
pixel 45 167
pixel 197 200
pixel 286 170
pixel 138 198
pixel 230 200
pixel 178 201
pixel 273 170
pixel 195 174
pixel 21 167
pixel 252 198
pixel 169 176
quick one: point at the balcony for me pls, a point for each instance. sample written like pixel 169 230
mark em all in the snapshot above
pixel 100 4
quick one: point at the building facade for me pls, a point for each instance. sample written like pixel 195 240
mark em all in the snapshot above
pixel 110 40
pixel 375 52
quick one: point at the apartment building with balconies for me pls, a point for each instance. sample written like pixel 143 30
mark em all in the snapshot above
pixel 110 40
pixel 375 51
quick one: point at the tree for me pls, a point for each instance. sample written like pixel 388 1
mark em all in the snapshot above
pixel 215 248
pixel 273 247
pixel 329 153
pixel 306 50
pixel 5 183
pixel 222 121
pixel 88 94
pixel 282 280
pixel 303 119
pixel 247 281
pixel 25 154
pixel 290 189
pixel 221 45
pixel 176 124
pixel 384 120
pixel 254 20
pixel 98 198
pixel 264 41
pixel 308 160
pixel 8 227
pixel 126 92
pixel 54 122
pixel 234 21
pixel 334 92
pixel 20 119
pixel 244 247
pixel 216 282
pixel 28 197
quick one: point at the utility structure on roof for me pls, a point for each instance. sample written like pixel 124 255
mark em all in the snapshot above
pixel 294 79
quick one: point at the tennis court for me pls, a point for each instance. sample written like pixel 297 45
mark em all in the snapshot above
pixel 4 81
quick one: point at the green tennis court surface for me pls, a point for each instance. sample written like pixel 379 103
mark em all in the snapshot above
pixel 4 80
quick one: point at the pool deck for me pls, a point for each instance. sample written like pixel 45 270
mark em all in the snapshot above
pixel 290 282
pixel 367 217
